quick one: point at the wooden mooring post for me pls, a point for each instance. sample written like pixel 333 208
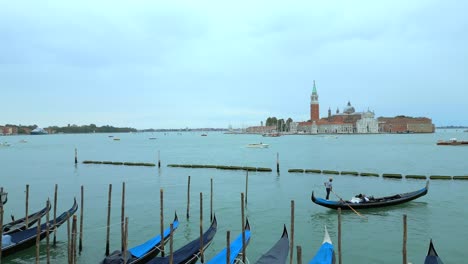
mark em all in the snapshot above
pixel 80 243
pixel 299 254
pixel 202 258
pixel 122 217
pixel 38 239
pixel 1 229
pixel 243 227
pixel 55 213
pixel 171 245
pixel 27 204
pixel 125 240
pixel 161 215
pixel 76 156
pixel 211 200
pixel 228 246
pixel 246 185
pixel 291 246
pixel 47 234
pixel 108 219
pixel 69 245
pixel 339 236
pixel 188 198
pixel 159 159
pixel 277 162
pixel 405 231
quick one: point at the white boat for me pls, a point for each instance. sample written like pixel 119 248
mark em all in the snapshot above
pixel 257 145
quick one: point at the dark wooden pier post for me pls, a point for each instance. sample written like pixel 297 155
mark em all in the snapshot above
pixel 188 198
pixel 125 240
pixel 202 259
pixel 159 159
pixel 80 244
pixel 76 156
pixel 243 227
pixel 404 239
pixel 246 185
pixel 55 213
pixel 161 215
pixel 277 162
pixel 74 236
pixel 228 247
pixel 108 219
pixel 299 254
pixel 47 234
pixel 69 245
pixel 27 203
pixel 171 245
pixel 122 217
pixel 339 235
pixel 38 239
pixel 1 229
pixel 291 254
pixel 211 200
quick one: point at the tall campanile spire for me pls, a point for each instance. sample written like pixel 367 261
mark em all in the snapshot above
pixel 314 105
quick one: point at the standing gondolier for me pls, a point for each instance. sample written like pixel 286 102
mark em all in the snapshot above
pixel 328 187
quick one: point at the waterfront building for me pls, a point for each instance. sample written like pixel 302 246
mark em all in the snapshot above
pixel 405 124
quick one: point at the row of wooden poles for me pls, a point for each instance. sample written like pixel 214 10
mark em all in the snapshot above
pixel 159 160
pixel 72 235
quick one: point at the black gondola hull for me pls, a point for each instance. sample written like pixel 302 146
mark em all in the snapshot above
pixel 376 203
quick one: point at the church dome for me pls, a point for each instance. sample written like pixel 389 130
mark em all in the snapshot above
pixel 349 109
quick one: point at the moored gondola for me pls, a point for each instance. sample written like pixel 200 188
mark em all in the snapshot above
pixel 278 253
pixel 326 252
pixel 432 257
pixel 235 249
pixel 373 202
pixel 190 253
pixel 144 252
pixel 18 241
pixel 20 224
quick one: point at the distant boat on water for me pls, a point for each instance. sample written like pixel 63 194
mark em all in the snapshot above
pixel 39 131
pixel 116 139
pixel 271 135
pixel 204 135
pixel 452 142
pixel 258 145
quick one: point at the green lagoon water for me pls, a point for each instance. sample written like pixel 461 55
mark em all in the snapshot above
pixel 441 215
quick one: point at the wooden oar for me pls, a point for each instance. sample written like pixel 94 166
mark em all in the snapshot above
pixel 348 205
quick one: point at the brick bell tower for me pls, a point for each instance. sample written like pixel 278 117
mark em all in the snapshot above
pixel 314 105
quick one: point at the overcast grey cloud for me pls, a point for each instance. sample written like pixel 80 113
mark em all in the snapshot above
pixel 154 64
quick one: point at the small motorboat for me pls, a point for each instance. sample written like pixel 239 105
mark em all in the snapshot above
pixel 258 145
pixel 452 142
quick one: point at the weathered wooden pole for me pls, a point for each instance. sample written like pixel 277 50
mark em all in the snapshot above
pixel 47 234
pixel 125 244
pixel 108 219
pixel 339 235
pixel 228 247
pixel 80 245
pixel 122 217
pixel 243 227
pixel 159 159
pixel 202 259
pixel 161 215
pixel 76 156
pixel 246 185
pixel 1 229
pixel 299 254
pixel 74 236
pixel 292 233
pixel 188 198
pixel 38 239
pixel 55 213
pixel 211 201
pixel 27 203
pixel 69 245
pixel 171 245
pixel 277 162
pixel 404 239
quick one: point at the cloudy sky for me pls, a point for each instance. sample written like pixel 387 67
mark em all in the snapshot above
pixel 176 64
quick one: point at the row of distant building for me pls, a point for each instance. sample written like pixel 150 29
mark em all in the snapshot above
pixel 350 122
pixel 13 130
